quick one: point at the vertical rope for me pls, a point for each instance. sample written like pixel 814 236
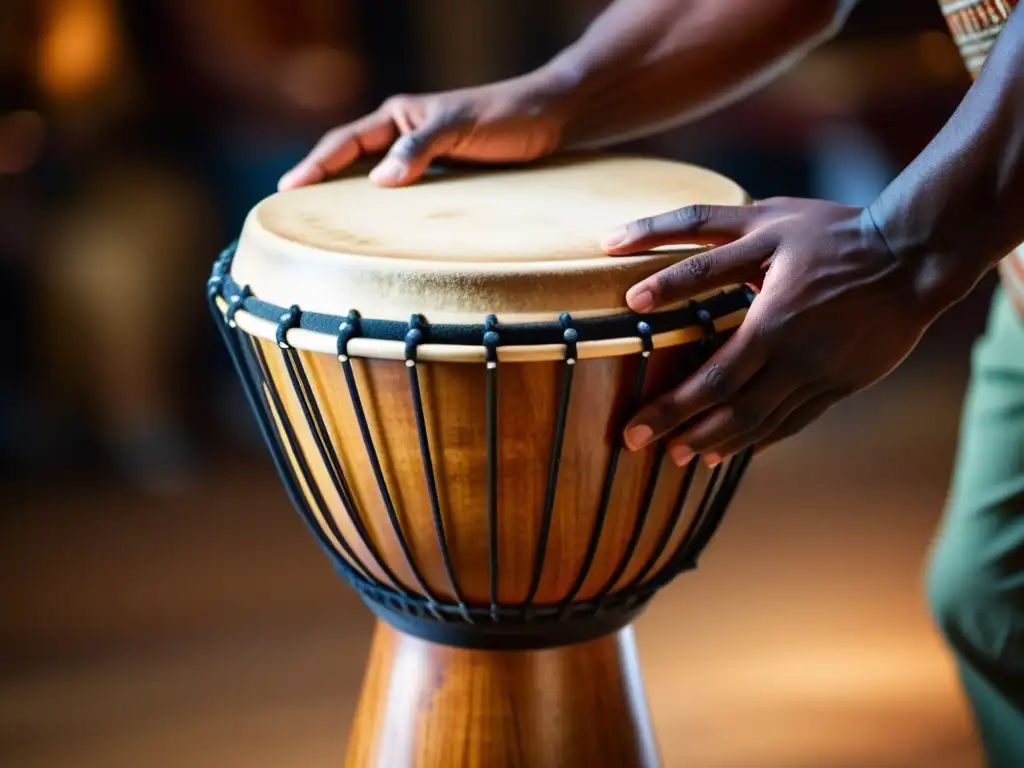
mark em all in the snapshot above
pixel 646 346
pixel 253 390
pixel 570 336
pixel 412 341
pixel 347 330
pixel 712 512
pixel 666 532
pixel 714 502
pixel 321 438
pixel 490 341
pixel 287 321
pixel 302 465
pixel 255 387
pixel 638 523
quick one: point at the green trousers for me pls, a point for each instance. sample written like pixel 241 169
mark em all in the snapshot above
pixel 975 578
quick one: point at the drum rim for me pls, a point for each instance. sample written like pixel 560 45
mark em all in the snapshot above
pixel 530 284
pixel 611 335
pixel 738 196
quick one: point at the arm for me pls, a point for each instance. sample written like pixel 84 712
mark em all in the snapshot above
pixel 646 65
pixel 845 292
pixel 956 210
pixel 642 66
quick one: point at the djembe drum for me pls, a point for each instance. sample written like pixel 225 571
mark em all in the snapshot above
pixel 442 373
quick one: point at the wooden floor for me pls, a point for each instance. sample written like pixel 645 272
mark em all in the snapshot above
pixel 209 630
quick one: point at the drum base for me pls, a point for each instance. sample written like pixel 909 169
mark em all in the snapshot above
pixel 425 705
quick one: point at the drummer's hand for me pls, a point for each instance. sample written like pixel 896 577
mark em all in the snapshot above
pixel 512 121
pixel 834 314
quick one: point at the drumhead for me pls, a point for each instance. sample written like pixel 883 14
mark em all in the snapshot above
pixel 521 243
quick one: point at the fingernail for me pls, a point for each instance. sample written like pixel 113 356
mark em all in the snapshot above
pixel 681 455
pixel 641 301
pixel 712 460
pixel 637 437
pixel 388 172
pixel 614 239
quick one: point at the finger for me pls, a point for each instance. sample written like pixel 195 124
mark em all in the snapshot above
pixel 800 419
pixel 759 407
pixel 339 148
pixel 729 369
pixel 411 154
pixel 697 224
pixel 742 261
pixel 730 428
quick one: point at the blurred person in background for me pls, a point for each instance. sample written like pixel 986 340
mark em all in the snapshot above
pixel 845 292
pixel 244 86
pixel 125 223
pixel 165 122
pixel 247 83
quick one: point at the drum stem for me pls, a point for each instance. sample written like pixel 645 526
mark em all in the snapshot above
pixel 425 705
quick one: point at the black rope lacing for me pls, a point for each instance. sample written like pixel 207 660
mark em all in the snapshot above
pixel 412 341
pixel 422 603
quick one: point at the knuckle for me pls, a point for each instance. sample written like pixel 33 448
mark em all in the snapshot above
pixel 699 265
pixel 397 103
pixel 330 140
pixel 640 229
pixel 456 113
pixel 716 383
pixel 410 145
pixel 691 216
pixel 413 142
pixel 670 284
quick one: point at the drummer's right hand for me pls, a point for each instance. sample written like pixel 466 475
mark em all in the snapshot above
pixel 511 121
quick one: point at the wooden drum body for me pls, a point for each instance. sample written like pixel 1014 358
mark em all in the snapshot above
pixel 442 374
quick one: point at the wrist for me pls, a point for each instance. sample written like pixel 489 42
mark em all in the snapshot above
pixel 939 277
pixel 574 83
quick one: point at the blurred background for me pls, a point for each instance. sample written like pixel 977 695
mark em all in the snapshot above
pixel 162 604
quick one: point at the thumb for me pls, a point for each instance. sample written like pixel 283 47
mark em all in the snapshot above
pixel 412 153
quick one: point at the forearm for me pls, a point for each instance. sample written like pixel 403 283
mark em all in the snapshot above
pixel 646 65
pixel 958 208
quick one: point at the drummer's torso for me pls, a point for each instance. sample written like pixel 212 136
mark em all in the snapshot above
pixel 975 25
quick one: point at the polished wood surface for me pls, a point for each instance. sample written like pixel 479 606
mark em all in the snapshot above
pixel 522 242
pixel 428 706
pixel 453 401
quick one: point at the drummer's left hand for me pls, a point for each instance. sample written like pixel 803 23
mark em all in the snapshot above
pixel 835 313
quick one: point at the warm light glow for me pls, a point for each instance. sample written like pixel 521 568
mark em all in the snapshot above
pixel 78 46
